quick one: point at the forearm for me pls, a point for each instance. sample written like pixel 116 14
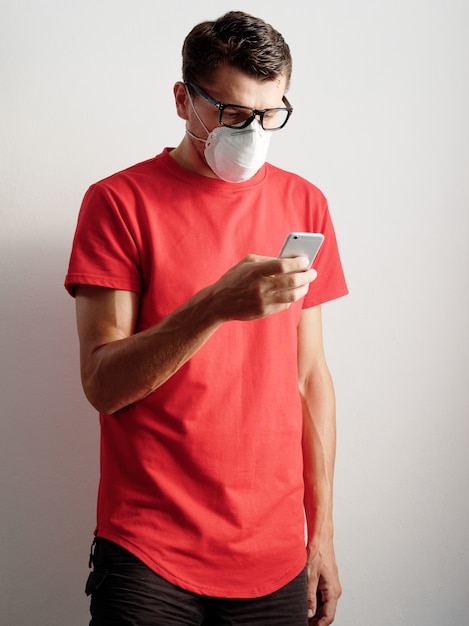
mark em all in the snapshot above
pixel 119 366
pixel 319 439
pixel 124 371
pixel 319 444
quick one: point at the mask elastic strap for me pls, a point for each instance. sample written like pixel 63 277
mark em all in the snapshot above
pixel 188 132
pixel 197 116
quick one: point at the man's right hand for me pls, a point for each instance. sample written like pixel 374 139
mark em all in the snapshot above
pixel 260 286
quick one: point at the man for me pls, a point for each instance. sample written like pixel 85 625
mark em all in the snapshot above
pixel 203 354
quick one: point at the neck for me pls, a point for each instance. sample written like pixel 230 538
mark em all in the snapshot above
pixel 188 132
pixel 190 157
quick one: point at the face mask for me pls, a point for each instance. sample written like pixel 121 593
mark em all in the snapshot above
pixel 235 155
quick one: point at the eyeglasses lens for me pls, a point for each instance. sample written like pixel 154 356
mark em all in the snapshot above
pixel 236 116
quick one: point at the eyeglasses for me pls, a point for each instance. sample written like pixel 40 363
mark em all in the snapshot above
pixel 236 116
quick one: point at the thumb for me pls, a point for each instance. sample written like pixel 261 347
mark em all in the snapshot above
pixel 312 603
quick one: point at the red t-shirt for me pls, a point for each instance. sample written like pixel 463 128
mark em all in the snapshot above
pixel 202 480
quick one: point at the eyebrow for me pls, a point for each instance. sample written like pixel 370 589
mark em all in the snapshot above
pixel 218 103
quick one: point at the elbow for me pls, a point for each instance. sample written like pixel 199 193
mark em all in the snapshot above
pixel 315 383
pixel 100 388
pixel 304 382
pixel 98 400
pixel 307 383
pixel 98 395
pixel 102 407
pixel 109 396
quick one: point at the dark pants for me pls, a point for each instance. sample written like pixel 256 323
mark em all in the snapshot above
pixel 125 592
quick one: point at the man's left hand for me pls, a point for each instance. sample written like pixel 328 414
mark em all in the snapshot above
pixel 324 587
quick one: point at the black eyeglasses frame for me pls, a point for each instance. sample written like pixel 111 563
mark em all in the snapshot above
pixel 221 106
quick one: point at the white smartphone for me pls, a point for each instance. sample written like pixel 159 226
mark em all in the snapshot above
pixel 302 244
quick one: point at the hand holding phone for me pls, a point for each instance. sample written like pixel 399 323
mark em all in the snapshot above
pixel 302 244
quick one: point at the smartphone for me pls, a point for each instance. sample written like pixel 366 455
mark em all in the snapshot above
pixel 302 244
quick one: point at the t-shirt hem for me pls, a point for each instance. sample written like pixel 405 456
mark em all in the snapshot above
pixel 325 297
pixel 73 280
pixel 208 590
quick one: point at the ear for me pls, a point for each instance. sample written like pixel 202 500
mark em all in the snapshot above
pixel 182 100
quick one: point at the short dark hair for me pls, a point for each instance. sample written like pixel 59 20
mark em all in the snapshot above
pixel 237 39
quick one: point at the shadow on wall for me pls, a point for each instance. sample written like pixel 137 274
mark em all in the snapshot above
pixel 49 444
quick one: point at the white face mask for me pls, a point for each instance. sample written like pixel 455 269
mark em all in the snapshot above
pixel 235 155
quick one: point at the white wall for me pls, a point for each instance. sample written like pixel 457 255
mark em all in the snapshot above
pixel 381 100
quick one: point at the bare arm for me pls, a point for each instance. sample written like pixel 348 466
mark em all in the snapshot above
pixel 119 366
pixel 319 439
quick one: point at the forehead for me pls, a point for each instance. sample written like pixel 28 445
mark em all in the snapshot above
pixel 233 86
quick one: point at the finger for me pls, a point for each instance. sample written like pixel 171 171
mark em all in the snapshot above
pixel 283 266
pixel 293 280
pixel 312 599
pixel 295 264
pixel 325 614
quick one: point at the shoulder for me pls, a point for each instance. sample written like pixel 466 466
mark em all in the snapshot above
pixel 144 168
pixel 286 178
pixel 127 186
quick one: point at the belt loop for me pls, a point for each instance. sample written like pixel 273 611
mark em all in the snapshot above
pixel 92 550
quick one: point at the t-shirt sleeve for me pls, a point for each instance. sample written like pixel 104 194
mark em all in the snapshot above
pixel 330 282
pixel 104 251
